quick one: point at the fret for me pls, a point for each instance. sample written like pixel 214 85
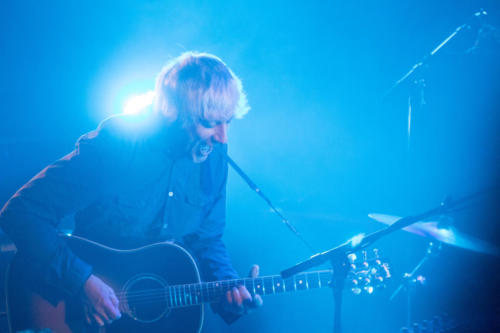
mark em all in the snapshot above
pixel 239 282
pixel 289 284
pixel 268 285
pixel 231 284
pixel 259 286
pixel 216 289
pixel 278 284
pixel 313 279
pixel 300 282
pixel 325 278
pixel 184 294
pixel 211 290
pixel 204 291
pixel 250 286
pixel 208 291
pixel 189 295
pixel 197 293
pixel 224 287
pixel 175 296
pixel 192 292
pixel 169 291
pixel 179 295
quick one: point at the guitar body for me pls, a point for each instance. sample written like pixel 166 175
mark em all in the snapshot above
pixel 137 277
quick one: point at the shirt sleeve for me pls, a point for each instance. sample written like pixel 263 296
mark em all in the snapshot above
pixel 31 216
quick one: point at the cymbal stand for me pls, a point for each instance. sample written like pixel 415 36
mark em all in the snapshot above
pixel 337 255
pixel 410 280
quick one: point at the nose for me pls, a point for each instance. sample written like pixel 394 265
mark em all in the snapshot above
pixel 220 134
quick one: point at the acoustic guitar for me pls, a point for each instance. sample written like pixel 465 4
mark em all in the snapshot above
pixel 159 289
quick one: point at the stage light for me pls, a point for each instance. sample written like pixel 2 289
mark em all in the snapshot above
pixel 356 240
pixel 137 103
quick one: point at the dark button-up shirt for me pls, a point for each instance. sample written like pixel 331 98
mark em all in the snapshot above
pixel 128 183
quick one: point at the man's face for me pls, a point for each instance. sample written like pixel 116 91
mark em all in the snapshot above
pixel 206 133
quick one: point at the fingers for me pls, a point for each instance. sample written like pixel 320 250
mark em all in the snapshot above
pixel 237 297
pixel 239 300
pixel 104 314
pixel 101 301
pixel 112 308
pixel 257 301
pixel 254 271
pixel 87 315
pixel 100 321
pixel 244 294
pixel 112 313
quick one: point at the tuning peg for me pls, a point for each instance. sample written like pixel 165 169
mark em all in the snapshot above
pixel 387 272
pixel 421 280
pixel 356 291
pixel 368 289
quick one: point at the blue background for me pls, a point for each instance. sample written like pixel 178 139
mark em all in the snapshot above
pixel 323 140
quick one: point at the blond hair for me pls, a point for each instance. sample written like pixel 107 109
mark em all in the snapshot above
pixel 199 85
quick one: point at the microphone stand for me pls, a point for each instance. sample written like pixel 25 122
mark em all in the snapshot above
pixel 257 190
pixel 419 81
pixel 337 256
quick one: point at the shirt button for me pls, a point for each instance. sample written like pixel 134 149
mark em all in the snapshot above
pixel 170 194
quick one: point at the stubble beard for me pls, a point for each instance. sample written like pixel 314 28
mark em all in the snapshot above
pixel 200 150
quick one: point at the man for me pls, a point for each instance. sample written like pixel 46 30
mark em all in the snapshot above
pixel 137 179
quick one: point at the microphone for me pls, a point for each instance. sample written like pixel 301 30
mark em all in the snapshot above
pixel 481 12
pixel 486 33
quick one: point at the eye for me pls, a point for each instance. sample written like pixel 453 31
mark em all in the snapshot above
pixel 207 124
pixel 211 124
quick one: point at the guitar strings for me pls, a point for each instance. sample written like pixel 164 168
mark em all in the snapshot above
pixel 215 286
pixel 186 295
pixel 212 286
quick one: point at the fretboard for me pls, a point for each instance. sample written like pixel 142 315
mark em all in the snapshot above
pixel 210 292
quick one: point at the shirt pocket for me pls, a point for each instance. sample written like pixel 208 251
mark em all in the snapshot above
pixel 185 213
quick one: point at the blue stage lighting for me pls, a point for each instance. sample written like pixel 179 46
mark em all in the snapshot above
pixel 137 103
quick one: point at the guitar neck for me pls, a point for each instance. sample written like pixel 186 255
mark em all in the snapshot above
pixel 211 292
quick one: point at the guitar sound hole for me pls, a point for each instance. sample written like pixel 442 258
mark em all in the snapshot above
pixel 145 298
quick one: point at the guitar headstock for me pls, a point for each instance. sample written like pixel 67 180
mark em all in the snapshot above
pixel 368 271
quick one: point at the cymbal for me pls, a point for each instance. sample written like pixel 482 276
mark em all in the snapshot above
pixel 449 235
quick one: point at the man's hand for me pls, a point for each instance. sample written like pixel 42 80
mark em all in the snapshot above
pixel 239 301
pixel 101 303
